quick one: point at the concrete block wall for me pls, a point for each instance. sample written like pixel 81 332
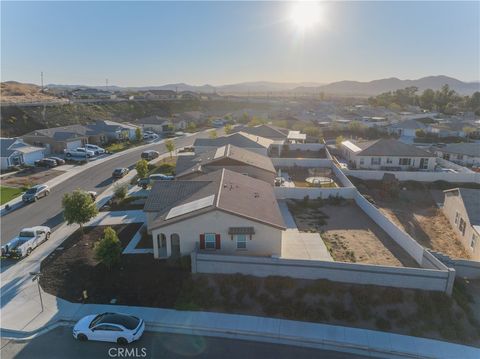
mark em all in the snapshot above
pixel 313 192
pixel 301 162
pixel 306 146
pixel 461 177
pixel 399 277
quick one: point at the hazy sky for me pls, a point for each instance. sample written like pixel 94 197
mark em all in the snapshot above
pixel 155 43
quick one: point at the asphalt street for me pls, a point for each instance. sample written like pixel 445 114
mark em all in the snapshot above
pixel 60 344
pixel 47 211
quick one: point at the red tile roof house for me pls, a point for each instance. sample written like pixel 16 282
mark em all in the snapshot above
pixel 222 211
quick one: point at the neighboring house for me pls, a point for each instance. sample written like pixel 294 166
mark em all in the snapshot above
pixel 266 131
pixel 236 139
pixel 462 208
pixel 15 152
pixel 387 154
pixel 155 123
pixel 229 157
pixel 57 139
pixel 406 128
pixel 461 153
pixel 223 211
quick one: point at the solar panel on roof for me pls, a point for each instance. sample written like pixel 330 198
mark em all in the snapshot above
pixel 190 207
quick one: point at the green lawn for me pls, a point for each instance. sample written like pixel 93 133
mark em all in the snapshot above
pixel 9 193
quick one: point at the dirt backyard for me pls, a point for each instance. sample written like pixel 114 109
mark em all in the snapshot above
pixel 417 213
pixel 349 234
pixel 30 177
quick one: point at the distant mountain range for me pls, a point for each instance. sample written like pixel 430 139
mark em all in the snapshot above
pixel 351 88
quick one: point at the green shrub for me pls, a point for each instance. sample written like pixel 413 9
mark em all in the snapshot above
pixel 109 249
pixel 120 191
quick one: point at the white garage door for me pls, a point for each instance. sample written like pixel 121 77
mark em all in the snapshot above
pixel 74 144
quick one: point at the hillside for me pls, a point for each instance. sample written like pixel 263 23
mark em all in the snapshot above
pixel 14 92
pixel 18 120
pixel 377 87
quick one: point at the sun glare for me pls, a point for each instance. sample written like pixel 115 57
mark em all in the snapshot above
pixel 305 14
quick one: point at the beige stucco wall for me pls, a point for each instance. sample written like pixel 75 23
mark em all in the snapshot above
pixel 415 162
pixel 266 241
pixel 452 205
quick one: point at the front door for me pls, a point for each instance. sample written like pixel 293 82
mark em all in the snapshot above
pixel 175 243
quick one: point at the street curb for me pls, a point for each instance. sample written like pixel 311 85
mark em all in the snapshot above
pixel 337 346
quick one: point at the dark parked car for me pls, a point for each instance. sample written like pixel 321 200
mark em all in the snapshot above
pixel 34 193
pixel 46 162
pixel 149 155
pixel 60 161
pixel 120 172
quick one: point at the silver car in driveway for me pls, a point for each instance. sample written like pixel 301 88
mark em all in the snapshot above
pixel 36 192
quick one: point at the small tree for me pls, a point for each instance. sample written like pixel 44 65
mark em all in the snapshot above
pixel 120 191
pixel 170 145
pixel 142 168
pixel 138 134
pixel 109 249
pixel 338 141
pixel 78 207
pixel 212 134
pixel 191 127
pixel 228 129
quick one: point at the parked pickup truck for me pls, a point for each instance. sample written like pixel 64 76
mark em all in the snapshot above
pixel 28 239
pixel 79 152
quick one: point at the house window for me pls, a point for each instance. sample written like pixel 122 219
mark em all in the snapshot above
pixel 241 241
pixel 457 217
pixel 462 226
pixel 362 161
pixel 473 244
pixel 209 240
pixel 389 160
pixel 423 163
pixel 405 161
pixel 376 160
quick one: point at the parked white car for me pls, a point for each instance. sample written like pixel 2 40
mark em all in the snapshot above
pixel 28 239
pixel 97 150
pixel 109 327
pixel 79 152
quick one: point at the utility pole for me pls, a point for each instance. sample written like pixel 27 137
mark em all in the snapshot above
pixel 106 84
pixel 41 79
pixel 36 277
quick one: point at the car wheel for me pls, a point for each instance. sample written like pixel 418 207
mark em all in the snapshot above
pixel 82 337
pixel 122 341
pixel 29 251
pixel 35 199
pixel 47 193
pixel 47 236
pixel 69 155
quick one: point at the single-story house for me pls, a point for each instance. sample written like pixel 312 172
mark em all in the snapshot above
pixel 155 123
pixel 387 154
pixel 57 139
pixel 230 157
pixel 406 128
pixel 462 153
pixel 15 152
pixel 462 208
pixel 222 211
pixel 254 144
pixel 266 131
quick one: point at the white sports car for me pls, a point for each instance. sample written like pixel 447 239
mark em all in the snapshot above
pixel 109 327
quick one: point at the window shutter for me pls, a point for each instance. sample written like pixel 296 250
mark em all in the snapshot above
pixel 217 241
pixel 202 241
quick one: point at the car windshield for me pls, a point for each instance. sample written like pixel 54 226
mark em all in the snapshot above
pixel 118 170
pixel 27 234
pixel 32 190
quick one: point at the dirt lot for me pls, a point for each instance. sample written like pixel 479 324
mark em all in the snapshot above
pixel 143 281
pixel 416 212
pixel 350 235
pixel 30 177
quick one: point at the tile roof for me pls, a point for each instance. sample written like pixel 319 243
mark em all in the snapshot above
pixel 190 164
pixel 234 193
pixel 235 139
pixel 267 131
pixel 469 149
pixel 391 147
pixel 8 146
